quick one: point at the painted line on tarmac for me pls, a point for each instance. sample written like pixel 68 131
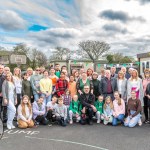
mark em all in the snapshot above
pixel 70 142
pixel 4 138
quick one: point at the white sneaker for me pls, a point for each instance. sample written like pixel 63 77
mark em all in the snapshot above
pixel 71 122
pixel 140 122
pixel 8 126
pixel 98 121
pixel 13 127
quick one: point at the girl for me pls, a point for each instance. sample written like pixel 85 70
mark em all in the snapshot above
pixel 107 116
pixel 76 75
pixel 72 86
pixel 99 107
pixel 67 98
pixel 75 109
pixel 26 86
pixel 18 84
pixel 89 73
pixel 10 99
pixel 119 109
pixel 25 113
pixel 134 109
pixel 39 111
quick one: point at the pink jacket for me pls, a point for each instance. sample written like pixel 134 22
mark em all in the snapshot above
pixel 118 109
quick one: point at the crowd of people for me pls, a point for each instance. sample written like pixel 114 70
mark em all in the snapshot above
pixel 46 97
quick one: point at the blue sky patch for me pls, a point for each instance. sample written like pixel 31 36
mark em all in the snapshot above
pixel 37 28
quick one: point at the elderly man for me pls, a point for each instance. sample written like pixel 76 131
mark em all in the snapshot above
pixel 113 72
pixel 108 85
pixel 87 100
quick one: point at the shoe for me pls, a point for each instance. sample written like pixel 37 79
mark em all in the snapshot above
pixel 90 122
pixel 49 124
pixel 146 121
pixel 71 122
pixel 98 121
pixel 140 122
pixel 8 126
pixel 13 127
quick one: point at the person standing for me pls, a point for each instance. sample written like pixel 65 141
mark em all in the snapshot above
pixel 9 99
pixel 108 85
pixel 35 79
pixel 57 70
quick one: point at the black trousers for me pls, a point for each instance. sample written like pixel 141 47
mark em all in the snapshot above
pixel 50 117
pixel 42 120
pixel 146 108
pixel 61 121
pixel 18 100
pixel 1 99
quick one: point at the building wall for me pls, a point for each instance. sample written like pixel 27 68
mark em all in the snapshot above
pixel 144 63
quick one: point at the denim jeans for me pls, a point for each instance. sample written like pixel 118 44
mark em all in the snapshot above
pixel 36 96
pixel 132 122
pixel 119 118
pixel 11 111
pixel 46 99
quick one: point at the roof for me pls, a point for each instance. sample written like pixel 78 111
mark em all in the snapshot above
pixel 143 55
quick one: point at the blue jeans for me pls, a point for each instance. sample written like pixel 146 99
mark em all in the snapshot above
pixel 11 111
pixel 46 99
pixel 132 122
pixel 119 118
pixel 36 96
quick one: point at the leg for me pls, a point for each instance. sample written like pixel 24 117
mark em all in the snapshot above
pixel 48 99
pixel 49 115
pixel 98 116
pixel 127 120
pixel 70 115
pixel 18 100
pixel 115 121
pixel 31 124
pixel 110 119
pixel 4 114
pixel 146 108
pixel 22 124
pixel 121 117
pixel 43 95
pixel 36 97
pixel 133 122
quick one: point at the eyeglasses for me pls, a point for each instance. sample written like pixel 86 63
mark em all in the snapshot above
pixel 86 88
pixel 37 70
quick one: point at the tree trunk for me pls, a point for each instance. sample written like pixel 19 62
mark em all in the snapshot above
pixel 94 66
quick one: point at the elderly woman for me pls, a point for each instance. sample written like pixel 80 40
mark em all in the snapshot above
pixel 82 82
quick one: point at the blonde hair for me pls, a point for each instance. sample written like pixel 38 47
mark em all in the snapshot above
pixel 137 75
pixel 119 100
pixel 19 75
pixel 28 105
pixel 111 103
pixel 146 70
pixel 121 72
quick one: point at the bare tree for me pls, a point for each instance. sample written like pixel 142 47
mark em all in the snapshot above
pixel 94 49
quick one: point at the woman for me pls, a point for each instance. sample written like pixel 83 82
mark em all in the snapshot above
pixel 119 109
pixel 54 79
pixel 89 73
pixel 18 84
pixel 10 99
pixel 135 83
pixel 84 81
pixel 76 75
pixel 146 82
pixel 95 82
pixel 122 85
pixel 24 117
pixel 134 109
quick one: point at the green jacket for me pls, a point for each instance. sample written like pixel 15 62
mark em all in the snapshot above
pixel 99 106
pixel 75 107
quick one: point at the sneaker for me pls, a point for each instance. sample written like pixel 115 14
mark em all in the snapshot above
pixel 140 122
pixel 13 127
pixel 146 121
pixel 90 122
pixel 98 121
pixel 8 126
pixel 71 122
pixel 49 124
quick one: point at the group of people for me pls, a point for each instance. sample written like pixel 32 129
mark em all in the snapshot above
pixel 44 97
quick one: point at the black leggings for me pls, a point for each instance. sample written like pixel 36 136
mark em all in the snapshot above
pixel 42 120
pixel 146 108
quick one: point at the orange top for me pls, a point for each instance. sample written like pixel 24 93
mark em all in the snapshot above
pixel 72 88
pixel 54 79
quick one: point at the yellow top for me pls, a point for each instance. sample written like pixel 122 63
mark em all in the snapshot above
pixel 46 85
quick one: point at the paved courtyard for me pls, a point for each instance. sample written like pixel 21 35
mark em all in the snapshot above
pixel 77 137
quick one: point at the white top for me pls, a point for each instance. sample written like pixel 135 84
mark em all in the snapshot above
pixel 21 116
pixel 18 84
pixel 120 86
pixel 135 83
pixel 50 105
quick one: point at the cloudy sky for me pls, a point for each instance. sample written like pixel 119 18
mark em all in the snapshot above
pixel 45 24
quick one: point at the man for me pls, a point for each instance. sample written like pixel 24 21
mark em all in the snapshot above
pixel 35 79
pixel 6 71
pixel 87 100
pixel 124 70
pixel 113 72
pixel 2 78
pixel 108 85
pixel 57 70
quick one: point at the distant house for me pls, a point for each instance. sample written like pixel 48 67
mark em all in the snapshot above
pixel 144 59
pixel 4 57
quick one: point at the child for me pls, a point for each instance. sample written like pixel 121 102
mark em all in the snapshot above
pixel 72 86
pixel 75 109
pixel 26 87
pixel 25 114
pixel 67 98
pixel 99 106
pixel 61 112
pixel 108 111
pixel 39 111
pixel 51 106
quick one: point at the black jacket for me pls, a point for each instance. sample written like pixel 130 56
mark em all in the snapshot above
pixel 2 78
pixel 87 102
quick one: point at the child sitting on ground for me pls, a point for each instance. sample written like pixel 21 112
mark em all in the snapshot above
pixel 75 109
pixel 61 112
pixel 99 107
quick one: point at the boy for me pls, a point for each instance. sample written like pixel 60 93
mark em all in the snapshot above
pixel 51 106
pixel 61 112
pixel 75 109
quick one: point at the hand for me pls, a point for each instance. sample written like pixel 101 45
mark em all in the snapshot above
pixel 80 92
pixel 77 115
pixel 1 94
pixel 38 92
pixel 31 96
pixel 5 101
pixel 28 121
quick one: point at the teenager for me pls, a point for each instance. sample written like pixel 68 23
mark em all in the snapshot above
pixel 9 99
pixel 46 87
pixel 134 109
pixel 72 86
pixel 57 70
pixel 119 109
pixel 24 117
